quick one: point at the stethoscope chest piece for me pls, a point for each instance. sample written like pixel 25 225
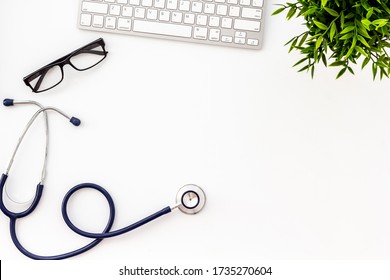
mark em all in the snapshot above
pixel 191 199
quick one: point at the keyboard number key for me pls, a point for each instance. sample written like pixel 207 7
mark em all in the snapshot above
pixel 240 41
pixel 124 24
pixel 85 20
pixel 200 33
pixel 110 23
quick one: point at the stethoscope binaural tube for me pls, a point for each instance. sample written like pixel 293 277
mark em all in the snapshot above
pixel 182 203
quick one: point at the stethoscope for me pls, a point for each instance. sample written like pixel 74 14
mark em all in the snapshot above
pixel 190 198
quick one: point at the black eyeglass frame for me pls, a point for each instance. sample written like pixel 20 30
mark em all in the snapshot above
pixel 61 62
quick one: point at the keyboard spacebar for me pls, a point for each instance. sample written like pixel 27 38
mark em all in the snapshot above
pixel 162 28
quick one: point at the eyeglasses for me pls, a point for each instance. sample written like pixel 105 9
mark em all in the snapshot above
pixel 52 74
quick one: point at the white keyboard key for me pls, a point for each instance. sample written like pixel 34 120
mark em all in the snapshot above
pixel 257 3
pixel 134 2
pixel 127 11
pixel 245 2
pixel 240 34
pixel 196 7
pixel 214 21
pixel 115 10
pixel 251 13
pixel 209 8
pixel 184 5
pixel 234 2
pixel 122 1
pixel 253 42
pixel 227 23
pixel 201 20
pixel 177 17
pixel 139 13
pixel 146 3
pixel 239 41
pixel 162 28
pixel 227 39
pixel 189 18
pixel 98 8
pixel 220 1
pixel 234 11
pixel 164 15
pixel 124 24
pixel 200 33
pixel 151 14
pixel 159 4
pixel 110 22
pixel 85 19
pixel 172 4
pixel 214 34
pixel 246 25
pixel 110 1
pixel 98 21
pixel 222 10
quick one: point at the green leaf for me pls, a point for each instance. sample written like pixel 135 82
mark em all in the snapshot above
pixel 359 49
pixel 331 12
pixel 300 61
pixel 291 12
pixel 342 71
pixel 380 22
pixel 352 48
pixel 304 68
pixel 369 13
pixel 303 39
pixel 374 70
pixel 365 62
pixel 347 36
pixel 337 63
pixel 347 29
pixel 323 3
pixel 319 42
pixel 320 25
pixel 333 30
pixel 278 11
pixel 363 41
pixel 366 23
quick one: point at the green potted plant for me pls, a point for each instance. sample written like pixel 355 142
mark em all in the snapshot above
pixel 341 33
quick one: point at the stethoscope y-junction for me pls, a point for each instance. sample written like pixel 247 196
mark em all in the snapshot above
pixel 190 199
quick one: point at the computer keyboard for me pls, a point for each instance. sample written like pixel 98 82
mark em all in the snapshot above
pixel 234 23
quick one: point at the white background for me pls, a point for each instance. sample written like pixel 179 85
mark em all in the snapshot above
pixel 293 168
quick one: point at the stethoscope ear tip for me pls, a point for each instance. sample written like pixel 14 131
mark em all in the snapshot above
pixel 8 102
pixel 75 121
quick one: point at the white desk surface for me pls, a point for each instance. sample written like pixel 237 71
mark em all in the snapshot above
pixel 293 168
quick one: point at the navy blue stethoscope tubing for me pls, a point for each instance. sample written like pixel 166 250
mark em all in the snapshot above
pixel 106 233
